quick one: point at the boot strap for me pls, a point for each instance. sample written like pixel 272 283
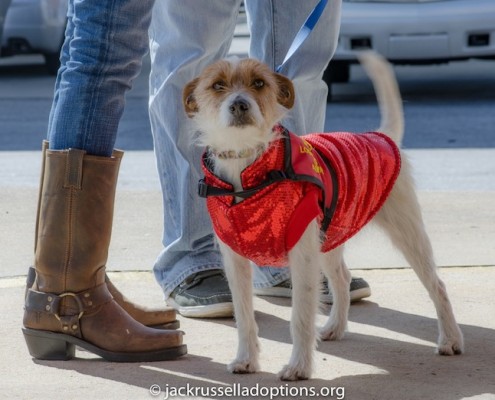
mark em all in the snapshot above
pixel 75 305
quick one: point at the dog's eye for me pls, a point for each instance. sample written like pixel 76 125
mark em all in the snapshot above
pixel 258 83
pixel 218 86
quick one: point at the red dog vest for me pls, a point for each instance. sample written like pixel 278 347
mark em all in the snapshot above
pixel 340 178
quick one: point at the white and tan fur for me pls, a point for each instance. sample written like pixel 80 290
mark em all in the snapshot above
pixel 235 103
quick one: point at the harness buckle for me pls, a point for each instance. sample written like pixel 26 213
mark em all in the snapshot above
pixel 202 188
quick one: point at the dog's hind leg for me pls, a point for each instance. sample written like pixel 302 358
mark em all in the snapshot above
pixel 339 279
pixel 238 272
pixel 305 274
pixel 401 218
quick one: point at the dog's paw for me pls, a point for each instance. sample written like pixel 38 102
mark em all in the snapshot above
pixel 450 346
pixel 243 366
pixel 294 373
pixel 450 340
pixel 331 332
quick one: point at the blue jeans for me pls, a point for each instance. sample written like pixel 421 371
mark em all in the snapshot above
pixel 186 36
pixel 105 41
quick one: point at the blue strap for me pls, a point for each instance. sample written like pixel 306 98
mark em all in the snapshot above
pixel 304 31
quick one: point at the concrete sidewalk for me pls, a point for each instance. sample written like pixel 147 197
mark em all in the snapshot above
pixel 388 352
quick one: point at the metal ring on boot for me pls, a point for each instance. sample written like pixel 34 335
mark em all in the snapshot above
pixel 78 301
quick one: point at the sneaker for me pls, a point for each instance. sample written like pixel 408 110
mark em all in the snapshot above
pixel 283 289
pixel 359 289
pixel 205 294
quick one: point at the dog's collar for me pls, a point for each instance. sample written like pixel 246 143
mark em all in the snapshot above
pixel 232 154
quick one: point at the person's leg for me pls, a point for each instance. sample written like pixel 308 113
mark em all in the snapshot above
pixel 185 36
pixel 273 25
pixel 161 318
pixel 64 58
pixel 102 54
pixel 272 32
pixel 69 303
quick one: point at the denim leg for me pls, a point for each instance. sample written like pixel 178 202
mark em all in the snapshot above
pixel 102 53
pixel 273 25
pixel 181 46
pixel 185 36
pixel 64 58
pixel 273 29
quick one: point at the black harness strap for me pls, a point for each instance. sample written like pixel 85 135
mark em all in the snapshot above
pixel 274 176
pixel 205 190
pixel 328 212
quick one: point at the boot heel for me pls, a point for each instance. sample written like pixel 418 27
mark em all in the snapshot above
pixel 48 346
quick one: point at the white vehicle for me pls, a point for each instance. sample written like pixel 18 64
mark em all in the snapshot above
pixel 34 27
pixel 414 32
pixel 4 5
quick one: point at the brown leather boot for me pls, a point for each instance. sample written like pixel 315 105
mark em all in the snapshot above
pixel 72 304
pixel 163 318
pixel 158 318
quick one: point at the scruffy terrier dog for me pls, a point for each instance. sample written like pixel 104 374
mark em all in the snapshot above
pixel 279 199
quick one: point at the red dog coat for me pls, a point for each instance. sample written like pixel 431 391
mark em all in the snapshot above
pixel 340 178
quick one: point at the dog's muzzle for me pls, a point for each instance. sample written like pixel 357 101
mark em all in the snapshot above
pixel 240 111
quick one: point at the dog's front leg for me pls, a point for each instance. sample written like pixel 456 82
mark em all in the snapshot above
pixel 238 272
pixel 304 261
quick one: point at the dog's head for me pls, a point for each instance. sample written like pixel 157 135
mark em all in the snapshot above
pixel 236 102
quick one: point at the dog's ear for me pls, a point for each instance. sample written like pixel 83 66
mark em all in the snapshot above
pixel 188 99
pixel 286 93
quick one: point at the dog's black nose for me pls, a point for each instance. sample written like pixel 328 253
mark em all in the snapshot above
pixel 239 106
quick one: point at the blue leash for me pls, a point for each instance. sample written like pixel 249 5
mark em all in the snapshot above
pixel 304 32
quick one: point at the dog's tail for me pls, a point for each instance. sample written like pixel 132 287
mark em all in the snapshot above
pixel 387 92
